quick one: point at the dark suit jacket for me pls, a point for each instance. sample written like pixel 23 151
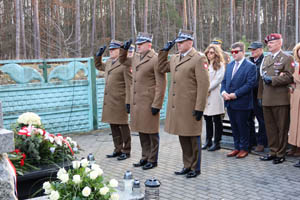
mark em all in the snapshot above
pixel 241 84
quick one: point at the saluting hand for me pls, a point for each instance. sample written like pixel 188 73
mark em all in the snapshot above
pixel 126 44
pixel 101 51
pixel 168 45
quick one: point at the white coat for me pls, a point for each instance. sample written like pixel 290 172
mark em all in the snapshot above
pixel 215 102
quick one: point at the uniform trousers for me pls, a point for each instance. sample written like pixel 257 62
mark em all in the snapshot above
pixel 121 138
pixel 191 152
pixel 150 146
pixel 277 121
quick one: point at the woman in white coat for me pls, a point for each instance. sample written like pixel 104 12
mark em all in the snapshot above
pixel 215 104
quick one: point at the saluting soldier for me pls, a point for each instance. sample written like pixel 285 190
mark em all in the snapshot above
pixel 147 94
pixel 219 42
pixel 276 73
pixel 116 99
pixel 187 98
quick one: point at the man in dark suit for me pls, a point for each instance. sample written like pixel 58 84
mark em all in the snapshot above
pixel 257 56
pixel 236 89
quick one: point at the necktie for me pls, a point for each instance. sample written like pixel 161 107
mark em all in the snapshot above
pixel 235 69
pixel 181 56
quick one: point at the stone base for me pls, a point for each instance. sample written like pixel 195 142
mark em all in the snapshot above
pixel 7 141
pixel 31 184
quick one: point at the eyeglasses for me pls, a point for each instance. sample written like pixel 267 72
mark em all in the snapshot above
pixel 211 52
pixel 235 51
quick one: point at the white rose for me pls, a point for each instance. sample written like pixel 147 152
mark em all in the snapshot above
pixel 64 178
pixel 47 185
pixel 61 171
pixel 86 191
pixel 52 149
pixel 76 164
pixel 69 139
pixel 74 143
pixel 54 195
pixel 114 196
pixel 104 190
pixel 58 141
pixel 84 162
pixel 113 183
pixel 51 139
pixel 87 170
pixel 48 191
pixel 95 166
pixel 94 175
pixel 100 171
pixel 76 179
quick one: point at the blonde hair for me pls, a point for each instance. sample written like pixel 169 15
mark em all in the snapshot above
pixel 218 56
pixel 295 51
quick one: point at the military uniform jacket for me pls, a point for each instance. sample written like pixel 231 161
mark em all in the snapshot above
pixel 281 70
pixel 188 91
pixel 147 91
pixel 116 92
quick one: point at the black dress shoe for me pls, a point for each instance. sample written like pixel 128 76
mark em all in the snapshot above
pixel 214 147
pixel 114 154
pixel 124 156
pixel 141 163
pixel 267 157
pixel 297 165
pixel 149 165
pixel 278 160
pixel 183 171
pixel 193 174
pixel 207 145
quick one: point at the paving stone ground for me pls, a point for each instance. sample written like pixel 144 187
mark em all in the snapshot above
pixel 221 178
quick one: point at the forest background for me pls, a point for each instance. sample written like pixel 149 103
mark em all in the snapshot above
pixel 76 28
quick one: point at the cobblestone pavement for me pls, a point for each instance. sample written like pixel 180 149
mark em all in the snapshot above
pixel 221 177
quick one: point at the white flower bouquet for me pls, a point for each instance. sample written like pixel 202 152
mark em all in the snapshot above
pixel 82 182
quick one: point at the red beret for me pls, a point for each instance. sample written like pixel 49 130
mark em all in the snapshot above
pixel 272 36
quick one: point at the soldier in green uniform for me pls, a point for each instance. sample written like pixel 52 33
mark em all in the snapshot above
pixel 276 73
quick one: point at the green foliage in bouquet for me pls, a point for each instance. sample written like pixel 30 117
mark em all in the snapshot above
pixel 81 183
pixel 40 147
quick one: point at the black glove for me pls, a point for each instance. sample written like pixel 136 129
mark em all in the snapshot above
pixel 198 114
pixel 127 108
pixel 154 111
pixel 101 51
pixel 168 45
pixel 126 44
pixel 267 79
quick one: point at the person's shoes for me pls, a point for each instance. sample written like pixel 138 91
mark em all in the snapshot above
pixel 259 148
pixel 291 151
pixel 278 160
pixel 114 154
pixel 242 154
pixel 124 156
pixel 233 153
pixel 183 171
pixel 207 145
pixel 214 147
pixel 297 164
pixel 140 163
pixel 267 157
pixel 193 174
pixel 149 165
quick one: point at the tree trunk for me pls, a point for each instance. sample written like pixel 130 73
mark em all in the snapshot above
pixel 231 21
pixel 133 20
pixel 184 15
pixel 93 28
pixel 278 16
pixel 23 30
pixel 36 25
pixel 297 21
pixel 258 20
pixel 157 23
pixel 77 29
pixel 244 17
pixel 195 22
pixel 18 27
pixel 146 16
pixel 112 19
pixel 284 22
